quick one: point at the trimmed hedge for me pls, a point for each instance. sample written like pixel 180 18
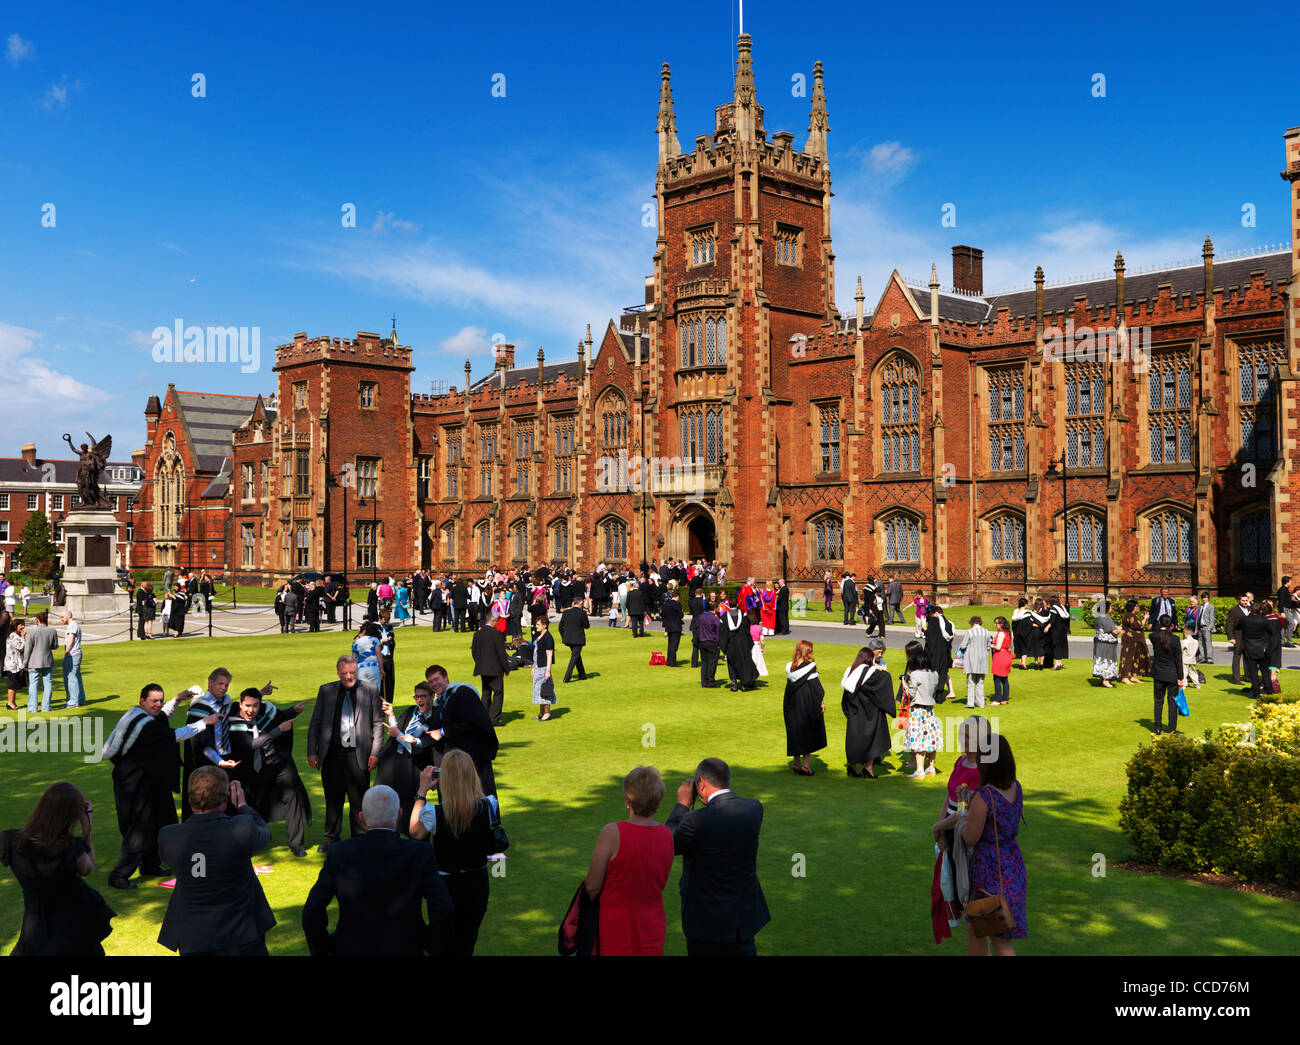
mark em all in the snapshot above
pixel 1221 804
pixel 1221 608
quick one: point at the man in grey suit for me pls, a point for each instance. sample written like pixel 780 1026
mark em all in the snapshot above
pixel 895 591
pixel 722 903
pixel 343 741
pixel 975 661
pixel 217 907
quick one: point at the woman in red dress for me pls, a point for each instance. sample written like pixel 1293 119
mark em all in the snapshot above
pixel 629 869
pixel 767 601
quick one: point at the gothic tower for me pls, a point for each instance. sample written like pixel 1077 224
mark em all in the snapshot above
pixel 743 265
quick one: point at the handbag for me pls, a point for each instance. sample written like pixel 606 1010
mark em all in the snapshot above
pixel 657 659
pixel 1180 702
pixel 580 927
pixel 989 914
pixel 547 692
pixel 500 841
pixel 904 719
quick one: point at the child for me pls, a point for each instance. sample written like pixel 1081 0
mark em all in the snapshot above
pixel 613 612
pixel 1191 648
pixel 756 633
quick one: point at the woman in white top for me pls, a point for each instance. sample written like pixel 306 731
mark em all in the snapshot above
pixel 26 596
pixel 924 734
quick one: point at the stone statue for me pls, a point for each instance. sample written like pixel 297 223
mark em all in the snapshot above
pixel 93 459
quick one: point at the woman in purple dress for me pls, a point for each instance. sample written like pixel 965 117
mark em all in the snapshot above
pixel 996 863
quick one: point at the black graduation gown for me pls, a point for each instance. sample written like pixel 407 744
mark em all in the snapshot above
pixel 276 789
pixel 176 619
pixel 868 708
pixel 783 610
pixel 401 771
pixel 1038 644
pixel 144 778
pixel 1021 629
pixel 465 725
pixel 738 646
pixel 805 725
pixel 1060 633
pixel 938 647
pixel 194 758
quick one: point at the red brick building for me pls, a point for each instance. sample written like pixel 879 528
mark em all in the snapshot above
pixel 30 484
pixel 916 438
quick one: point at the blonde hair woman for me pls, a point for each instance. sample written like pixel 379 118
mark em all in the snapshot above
pixel 462 826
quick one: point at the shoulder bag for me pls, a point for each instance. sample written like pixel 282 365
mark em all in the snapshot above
pixel 989 914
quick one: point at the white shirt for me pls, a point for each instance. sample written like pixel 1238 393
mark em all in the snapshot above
pixel 72 637
pixel 720 791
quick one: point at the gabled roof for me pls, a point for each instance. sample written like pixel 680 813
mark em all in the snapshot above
pixel 210 421
pixel 16 470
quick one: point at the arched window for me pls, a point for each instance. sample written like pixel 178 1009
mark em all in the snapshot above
pixel 303 546
pixel 614 538
pixel 1085 537
pixel 902 539
pixel 448 541
pixel 483 540
pixel 1255 537
pixel 828 538
pixel 519 539
pixel 900 415
pixel 560 539
pixel 1170 538
pixel 1007 538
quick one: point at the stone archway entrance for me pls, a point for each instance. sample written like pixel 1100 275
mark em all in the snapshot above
pixel 693 534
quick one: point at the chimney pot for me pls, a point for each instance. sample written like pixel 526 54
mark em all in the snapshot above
pixel 968 269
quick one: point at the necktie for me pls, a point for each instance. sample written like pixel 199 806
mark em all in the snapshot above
pixel 347 727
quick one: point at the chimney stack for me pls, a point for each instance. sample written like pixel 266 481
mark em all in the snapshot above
pixel 29 454
pixel 505 355
pixel 968 270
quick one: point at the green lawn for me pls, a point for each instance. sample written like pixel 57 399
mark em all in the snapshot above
pixel 865 846
pixel 960 616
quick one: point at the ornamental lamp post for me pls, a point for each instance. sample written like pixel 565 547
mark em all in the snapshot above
pixel 1055 468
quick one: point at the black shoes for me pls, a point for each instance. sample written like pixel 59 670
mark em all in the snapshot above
pixel 323 847
pixel 121 883
pixel 297 850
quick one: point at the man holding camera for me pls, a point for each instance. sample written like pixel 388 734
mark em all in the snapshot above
pixel 722 903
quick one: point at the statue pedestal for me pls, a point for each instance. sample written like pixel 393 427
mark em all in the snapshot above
pixel 90 565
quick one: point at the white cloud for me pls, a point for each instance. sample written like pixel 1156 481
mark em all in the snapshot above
pixel 57 96
pixel 467 342
pixel 390 220
pixel 172 247
pixel 18 50
pixel 891 158
pixel 29 377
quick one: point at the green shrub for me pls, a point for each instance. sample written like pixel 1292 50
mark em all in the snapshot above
pixel 1218 805
pixel 1221 608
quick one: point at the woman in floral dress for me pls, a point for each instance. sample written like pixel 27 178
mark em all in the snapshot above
pixel 996 863
pixel 1134 658
pixel 924 736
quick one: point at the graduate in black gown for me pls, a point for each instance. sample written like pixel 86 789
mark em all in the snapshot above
pixel 804 708
pixel 261 742
pixel 1021 628
pixel 146 765
pixel 737 646
pixel 938 645
pixel 1060 633
pixel 868 704
pixel 176 619
pixel 1039 622
pixel 409 749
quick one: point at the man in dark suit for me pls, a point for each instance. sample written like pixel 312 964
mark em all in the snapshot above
pixel 459 601
pixel 491 662
pixel 895 592
pixel 1232 627
pixel 1254 648
pixel 343 741
pixel 636 610
pixel 722 903
pixel 574 623
pixel 465 724
pixel 1286 605
pixel 1161 607
pixel 849 597
pixel 518 603
pixel 697 605
pixel 217 907
pixel 782 608
pixel 672 616
pixel 381 880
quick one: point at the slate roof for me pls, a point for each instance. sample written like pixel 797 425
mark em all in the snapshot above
pixel 16 470
pixel 528 375
pixel 210 420
pixel 1189 279
pixel 220 482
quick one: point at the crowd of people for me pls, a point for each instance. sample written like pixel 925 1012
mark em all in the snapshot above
pixel 419 783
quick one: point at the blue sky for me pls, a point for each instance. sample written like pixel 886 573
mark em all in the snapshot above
pixel 521 215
